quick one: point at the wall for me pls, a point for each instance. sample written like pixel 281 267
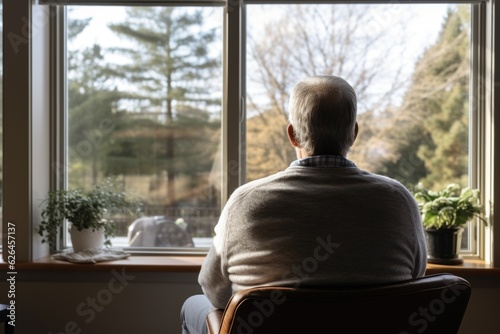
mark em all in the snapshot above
pixel 482 315
pixel 99 303
pixel 149 303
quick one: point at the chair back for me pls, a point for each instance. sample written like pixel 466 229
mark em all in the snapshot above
pixel 430 304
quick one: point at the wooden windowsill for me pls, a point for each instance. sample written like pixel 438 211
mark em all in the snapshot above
pixel 192 264
pixel 138 263
pixel 468 268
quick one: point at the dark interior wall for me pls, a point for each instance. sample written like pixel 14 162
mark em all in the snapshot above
pixel 133 303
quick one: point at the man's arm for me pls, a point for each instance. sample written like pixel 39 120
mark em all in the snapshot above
pixel 214 278
pixel 213 281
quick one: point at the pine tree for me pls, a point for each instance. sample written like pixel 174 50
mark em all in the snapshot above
pixel 431 128
pixel 91 104
pixel 171 69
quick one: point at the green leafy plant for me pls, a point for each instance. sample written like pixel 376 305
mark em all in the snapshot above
pixel 84 210
pixel 450 207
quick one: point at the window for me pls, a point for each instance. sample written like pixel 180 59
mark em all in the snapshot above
pixel 144 89
pixel 116 119
pixel 412 80
pixel 144 93
pixel 392 63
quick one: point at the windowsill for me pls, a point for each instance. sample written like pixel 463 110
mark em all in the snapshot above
pixel 137 263
pixel 192 263
pixel 470 267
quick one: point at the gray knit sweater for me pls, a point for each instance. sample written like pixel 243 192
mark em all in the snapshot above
pixel 314 226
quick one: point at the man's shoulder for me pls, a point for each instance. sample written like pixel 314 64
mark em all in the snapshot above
pixel 387 182
pixel 257 183
pixel 380 178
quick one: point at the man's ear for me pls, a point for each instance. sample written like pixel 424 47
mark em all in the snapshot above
pixel 291 136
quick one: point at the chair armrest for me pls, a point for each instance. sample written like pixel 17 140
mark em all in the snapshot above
pixel 214 320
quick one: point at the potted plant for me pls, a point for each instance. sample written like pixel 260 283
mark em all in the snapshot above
pixel 444 214
pixel 88 214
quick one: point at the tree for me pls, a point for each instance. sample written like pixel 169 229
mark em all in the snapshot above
pixel 90 107
pixel 431 128
pixel 139 149
pixel 169 69
pixel 307 40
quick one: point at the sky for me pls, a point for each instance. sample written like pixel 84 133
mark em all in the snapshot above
pixel 423 23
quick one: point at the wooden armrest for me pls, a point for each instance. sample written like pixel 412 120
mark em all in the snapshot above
pixel 214 320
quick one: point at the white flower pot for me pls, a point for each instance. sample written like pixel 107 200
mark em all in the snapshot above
pixel 86 239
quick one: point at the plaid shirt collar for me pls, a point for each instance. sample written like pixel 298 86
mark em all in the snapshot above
pixel 323 161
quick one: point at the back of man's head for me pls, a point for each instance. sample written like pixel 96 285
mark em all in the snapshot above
pixel 322 111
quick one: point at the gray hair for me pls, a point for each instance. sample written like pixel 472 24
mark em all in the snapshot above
pixel 322 111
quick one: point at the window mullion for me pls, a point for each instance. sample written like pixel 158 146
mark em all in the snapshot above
pixel 58 101
pixel 233 97
pixel 58 121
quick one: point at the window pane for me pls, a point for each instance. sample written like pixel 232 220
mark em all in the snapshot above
pixel 409 65
pixel 144 105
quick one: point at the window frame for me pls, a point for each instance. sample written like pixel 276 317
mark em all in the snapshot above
pixel 32 73
pixel 59 146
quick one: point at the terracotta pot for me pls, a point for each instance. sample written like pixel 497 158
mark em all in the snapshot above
pixel 443 245
pixel 86 239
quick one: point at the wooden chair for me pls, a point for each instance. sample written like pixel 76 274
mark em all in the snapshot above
pixel 431 304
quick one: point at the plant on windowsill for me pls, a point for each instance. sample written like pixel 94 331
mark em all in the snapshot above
pixel 88 214
pixel 444 215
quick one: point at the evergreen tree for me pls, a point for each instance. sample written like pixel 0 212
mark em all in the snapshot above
pixel 171 69
pixel 431 129
pixel 92 113
pixel 90 105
